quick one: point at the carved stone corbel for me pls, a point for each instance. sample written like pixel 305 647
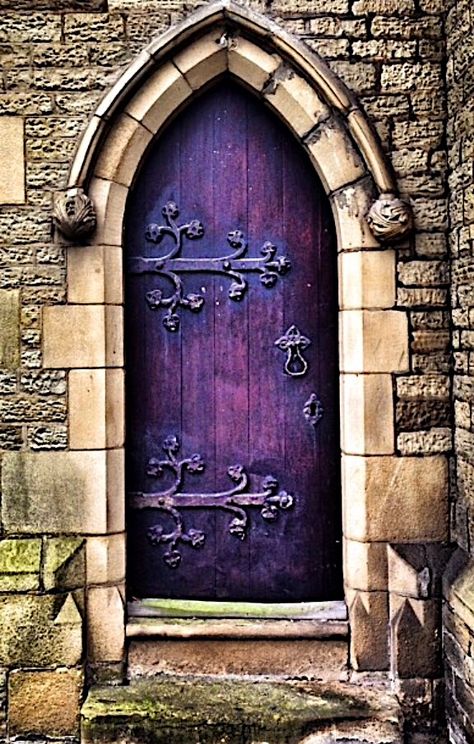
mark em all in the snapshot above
pixel 390 218
pixel 74 214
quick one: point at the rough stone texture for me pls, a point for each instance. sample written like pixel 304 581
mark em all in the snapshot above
pixel 33 483
pixel 314 659
pixel 185 710
pixel 19 565
pixel 59 58
pixel 45 702
pixel 459 623
pixel 33 633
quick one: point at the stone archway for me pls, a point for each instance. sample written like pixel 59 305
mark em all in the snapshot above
pixel 86 334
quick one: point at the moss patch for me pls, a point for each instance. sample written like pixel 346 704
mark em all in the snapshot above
pixel 177 710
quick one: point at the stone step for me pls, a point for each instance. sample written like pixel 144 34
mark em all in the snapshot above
pixel 315 649
pixel 197 710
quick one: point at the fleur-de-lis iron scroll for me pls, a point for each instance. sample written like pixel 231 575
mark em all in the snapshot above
pixel 235 500
pixel 232 265
pixel 294 343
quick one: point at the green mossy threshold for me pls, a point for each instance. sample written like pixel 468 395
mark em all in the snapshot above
pixel 171 710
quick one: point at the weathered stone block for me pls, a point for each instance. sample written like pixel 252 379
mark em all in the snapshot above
pixel 203 60
pixel 31 637
pixel 415 637
pixel 76 336
pixel 12 161
pixel 296 101
pixel 414 415
pixel 165 90
pixel 367 280
pixel 431 442
pixel 395 499
pixel 93 27
pixel 374 341
pixel 368 612
pixel 121 154
pixel 94 274
pixel 96 408
pixel 106 623
pixel 367 414
pixel 251 63
pixel 70 492
pixel 19 565
pixel 9 328
pixel 64 566
pixel 45 703
pixel 106 559
pixel 53 437
pixel 326 145
pixel 348 204
pixel 365 565
pixel 315 659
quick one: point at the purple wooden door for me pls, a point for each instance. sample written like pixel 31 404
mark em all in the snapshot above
pixel 232 376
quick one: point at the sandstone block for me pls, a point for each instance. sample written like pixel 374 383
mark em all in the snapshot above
pixel 45 703
pixel 203 60
pixel 123 150
pixel 367 414
pixel 93 27
pixel 395 499
pixel 86 489
pixel 109 199
pixel 106 559
pixel 9 328
pixel 350 205
pixel 415 638
pixel 94 275
pixel 312 658
pixel 295 101
pixel 12 179
pixel 31 637
pixel 106 624
pixel 19 565
pixel 367 280
pixel 82 336
pixel 365 565
pixel 373 341
pixel 165 90
pixel 423 273
pixel 29 28
pixel 250 63
pixel 96 408
pixel 64 565
pixel 368 612
pixel 424 386
pixel 334 156
pixel 431 442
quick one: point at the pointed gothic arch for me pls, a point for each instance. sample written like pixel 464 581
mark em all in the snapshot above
pixel 218 40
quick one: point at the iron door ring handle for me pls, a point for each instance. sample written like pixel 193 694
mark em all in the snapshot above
pixel 294 343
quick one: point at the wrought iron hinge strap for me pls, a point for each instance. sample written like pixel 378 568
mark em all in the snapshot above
pixel 234 500
pixel 233 265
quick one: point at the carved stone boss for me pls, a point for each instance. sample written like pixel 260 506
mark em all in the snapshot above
pixel 236 500
pixel 74 214
pixel 171 265
pixel 390 218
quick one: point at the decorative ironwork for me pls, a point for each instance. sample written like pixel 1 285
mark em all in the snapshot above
pixel 74 214
pixel 294 343
pixel 390 218
pixel 313 410
pixel 232 265
pixel 234 500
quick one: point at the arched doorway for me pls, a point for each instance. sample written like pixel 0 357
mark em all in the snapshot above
pixel 232 375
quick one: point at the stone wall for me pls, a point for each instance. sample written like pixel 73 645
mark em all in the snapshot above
pixel 59 59
pixel 459 606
